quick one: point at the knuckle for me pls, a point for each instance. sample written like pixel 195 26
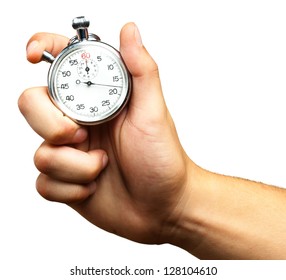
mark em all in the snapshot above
pixel 42 160
pixel 23 101
pixel 42 187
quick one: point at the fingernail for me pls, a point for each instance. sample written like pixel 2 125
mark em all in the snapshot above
pixel 80 135
pixel 104 160
pixel 31 47
pixel 92 187
pixel 137 36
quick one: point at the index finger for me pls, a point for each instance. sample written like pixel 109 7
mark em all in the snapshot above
pixel 40 42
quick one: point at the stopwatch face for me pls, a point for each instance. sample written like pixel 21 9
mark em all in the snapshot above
pixel 89 82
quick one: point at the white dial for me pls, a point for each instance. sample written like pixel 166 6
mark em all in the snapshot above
pixel 89 82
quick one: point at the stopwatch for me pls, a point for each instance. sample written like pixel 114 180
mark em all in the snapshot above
pixel 88 81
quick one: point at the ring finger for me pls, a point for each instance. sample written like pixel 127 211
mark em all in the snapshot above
pixel 68 164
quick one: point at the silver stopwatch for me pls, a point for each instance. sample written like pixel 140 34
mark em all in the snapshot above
pixel 88 81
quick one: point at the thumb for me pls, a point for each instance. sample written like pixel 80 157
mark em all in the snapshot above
pixel 147 92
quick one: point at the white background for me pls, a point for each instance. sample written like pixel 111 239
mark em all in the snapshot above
pixel 223 70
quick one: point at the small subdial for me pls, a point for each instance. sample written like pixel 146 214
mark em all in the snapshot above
pixel 87 69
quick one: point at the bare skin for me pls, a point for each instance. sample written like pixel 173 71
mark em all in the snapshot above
pixel 132 177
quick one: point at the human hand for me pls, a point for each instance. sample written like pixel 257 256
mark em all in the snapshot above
pixel 127 176
pixel 131 176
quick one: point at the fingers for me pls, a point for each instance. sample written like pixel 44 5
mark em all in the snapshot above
pixel 59 191
pixel 35 104
pixel 47 120
pixel 136 57
pixel 68 175
pixel 147 92
pixel 69 164
pixel 40 42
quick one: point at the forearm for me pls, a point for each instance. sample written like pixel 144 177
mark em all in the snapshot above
pixel 231 218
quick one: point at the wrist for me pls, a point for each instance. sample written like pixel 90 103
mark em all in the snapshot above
pixel 184 228
pixel 222 218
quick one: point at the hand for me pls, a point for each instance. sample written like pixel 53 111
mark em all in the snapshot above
pixel 127 176
pixel 131 176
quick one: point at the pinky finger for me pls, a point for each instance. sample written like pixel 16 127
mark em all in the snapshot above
pixel 64 192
